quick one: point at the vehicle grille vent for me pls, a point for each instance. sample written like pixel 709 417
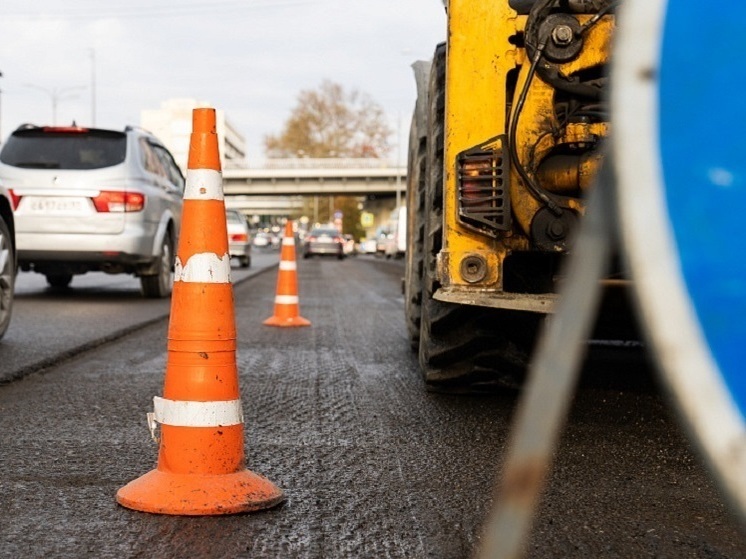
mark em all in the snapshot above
pixel 483 187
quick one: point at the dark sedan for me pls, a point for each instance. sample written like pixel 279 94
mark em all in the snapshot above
pixel 323 241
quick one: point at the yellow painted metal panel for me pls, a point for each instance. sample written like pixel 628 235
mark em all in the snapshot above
pixel 479 57
pixel 485 70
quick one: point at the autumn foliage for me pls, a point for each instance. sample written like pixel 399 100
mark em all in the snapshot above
pixel 330 122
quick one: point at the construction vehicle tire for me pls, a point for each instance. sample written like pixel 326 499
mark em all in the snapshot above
pixel 461 347
pixel 416 168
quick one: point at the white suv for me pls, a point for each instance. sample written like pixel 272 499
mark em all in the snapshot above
pixel 89 199
pixel 7 259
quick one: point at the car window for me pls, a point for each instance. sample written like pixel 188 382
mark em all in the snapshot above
pixel 234 217
pixel 329 232
pixel 172 171
pixel 150 160
pixel 77 149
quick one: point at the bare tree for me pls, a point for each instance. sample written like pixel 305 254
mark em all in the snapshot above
pixel 330 122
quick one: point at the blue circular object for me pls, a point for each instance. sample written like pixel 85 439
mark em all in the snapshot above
pixel 678 116
pixel 702 123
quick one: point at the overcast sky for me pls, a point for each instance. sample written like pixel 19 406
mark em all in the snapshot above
pixel 247 57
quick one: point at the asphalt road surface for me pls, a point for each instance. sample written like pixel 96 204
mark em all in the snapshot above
pixel 337 416
pixel 50 324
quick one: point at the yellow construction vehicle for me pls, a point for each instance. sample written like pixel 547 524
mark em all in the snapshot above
pixel 506 137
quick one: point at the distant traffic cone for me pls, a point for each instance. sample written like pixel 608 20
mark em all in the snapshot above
pixel 287 311
pixel 201 457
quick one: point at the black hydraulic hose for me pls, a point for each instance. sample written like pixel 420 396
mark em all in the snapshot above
pixel 539 11
pixel 535 190
pixel 550 72
pixel 523 7
pixel 601 13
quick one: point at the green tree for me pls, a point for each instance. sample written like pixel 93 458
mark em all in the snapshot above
pixel 331 122
pixel 348 205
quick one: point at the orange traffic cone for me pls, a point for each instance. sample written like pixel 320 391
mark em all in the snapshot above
pixel 287 312
pixel 201 458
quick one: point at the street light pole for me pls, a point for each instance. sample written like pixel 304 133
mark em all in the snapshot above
pixel 93 88
pixel 56 95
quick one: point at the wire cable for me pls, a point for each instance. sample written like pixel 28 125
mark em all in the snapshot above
pixel 535 190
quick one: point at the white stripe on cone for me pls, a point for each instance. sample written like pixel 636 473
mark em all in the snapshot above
pixel 203 184
pixel 286 299
pixel 181 413
pixel 288 241
pixel 288 265
pixel 204 267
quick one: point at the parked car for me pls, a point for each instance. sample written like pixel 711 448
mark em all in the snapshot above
pixel 7 259
pixel 262 240
pixel 89 199
pixel 323 241
pixel 239 237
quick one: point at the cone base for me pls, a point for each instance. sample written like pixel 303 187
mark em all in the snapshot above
pixel 196 495
pixel 286 321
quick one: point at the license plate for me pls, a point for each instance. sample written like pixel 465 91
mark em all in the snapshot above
pixel 56 205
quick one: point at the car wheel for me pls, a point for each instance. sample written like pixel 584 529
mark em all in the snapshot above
pixel 159 285
pixel 59 281
pixel 7 276
pixel 245 261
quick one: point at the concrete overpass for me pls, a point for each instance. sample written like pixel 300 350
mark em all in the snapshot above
pixel 278 187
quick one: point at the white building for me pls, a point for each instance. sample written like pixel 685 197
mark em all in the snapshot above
pixel 172 125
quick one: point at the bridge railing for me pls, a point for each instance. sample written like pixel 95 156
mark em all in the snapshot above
pixel 317 163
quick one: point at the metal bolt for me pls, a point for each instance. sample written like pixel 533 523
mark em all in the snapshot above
pixel 556 230
pixel 562 35
pixel 473 268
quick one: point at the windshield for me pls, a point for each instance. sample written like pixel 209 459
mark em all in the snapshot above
pixel 328 232
pixel 38 148
pixel 234 217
